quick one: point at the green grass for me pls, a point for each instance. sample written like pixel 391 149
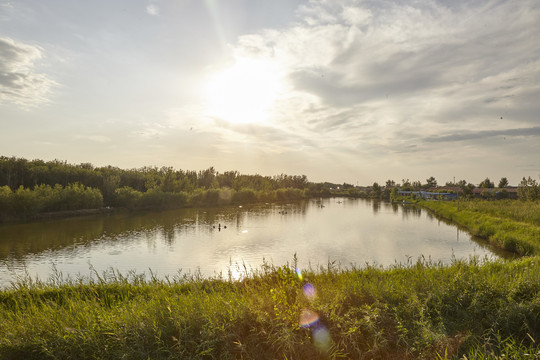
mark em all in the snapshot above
pixel 522 211
pixel 508 224
pixel 415 311
pixel 471 309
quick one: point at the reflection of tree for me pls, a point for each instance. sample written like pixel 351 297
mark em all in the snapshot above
pixel 376 206
pixel 408 211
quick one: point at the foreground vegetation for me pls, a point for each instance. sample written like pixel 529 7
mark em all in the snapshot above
pixel 468 310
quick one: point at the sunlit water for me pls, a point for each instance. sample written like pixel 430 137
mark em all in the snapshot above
pixel 341 231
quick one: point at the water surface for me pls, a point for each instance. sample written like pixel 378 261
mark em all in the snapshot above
pixel 342 231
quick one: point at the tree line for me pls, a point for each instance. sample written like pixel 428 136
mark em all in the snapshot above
pixel 527 190
pixel 28 187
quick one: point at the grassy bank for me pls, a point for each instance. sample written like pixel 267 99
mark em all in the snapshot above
pixel 418 311
pixel 421 310
pixel 509 224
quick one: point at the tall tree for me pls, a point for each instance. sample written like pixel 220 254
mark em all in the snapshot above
pixel 431 182
pixel 487 184
pixel 376 190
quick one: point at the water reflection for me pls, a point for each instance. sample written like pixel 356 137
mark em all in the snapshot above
pixel 376 206
pixel 411 210
pixel 346 231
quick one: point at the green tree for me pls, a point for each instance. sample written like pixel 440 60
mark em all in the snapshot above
pixel 503 182
pixel 528 189
pixel 376 190
pixel 487 184
pixel 431 182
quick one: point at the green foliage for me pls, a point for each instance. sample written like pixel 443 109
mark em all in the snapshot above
pixel 27 203
pixel 289 194
pixel 37 186
pixel 245 196
pixel 487 184
pixel 376 191
pixel 127 197
pixel 509 224
pixel 431 182
pixel 529 190
pixel 503 183
pixel 419 310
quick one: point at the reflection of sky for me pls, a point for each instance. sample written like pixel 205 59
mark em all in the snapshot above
pixel 345 231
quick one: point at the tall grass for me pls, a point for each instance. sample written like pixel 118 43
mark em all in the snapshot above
pixel 420 310
pixel 509 224
pixel 522 211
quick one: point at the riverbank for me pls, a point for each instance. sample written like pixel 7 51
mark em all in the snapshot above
pixel 470 309
pixel 512 225
pixel 419 311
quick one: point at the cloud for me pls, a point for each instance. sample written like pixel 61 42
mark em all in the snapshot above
pixel 386 83
pixel 20 83
pixel 152 9
pixel 483 134
pixel 397 66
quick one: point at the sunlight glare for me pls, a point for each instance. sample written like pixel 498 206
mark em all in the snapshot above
pixel 243 93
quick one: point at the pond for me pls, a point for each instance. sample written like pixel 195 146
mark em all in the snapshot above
pixel 232 240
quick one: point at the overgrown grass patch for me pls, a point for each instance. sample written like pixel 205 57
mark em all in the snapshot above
pixel 509 224
pixel 420 310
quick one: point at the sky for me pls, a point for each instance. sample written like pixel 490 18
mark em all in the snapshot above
pixel 355 91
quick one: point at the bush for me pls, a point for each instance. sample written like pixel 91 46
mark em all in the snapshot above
pixel 5 200
pixel 127 197
pixel 244 196
pixel 289 194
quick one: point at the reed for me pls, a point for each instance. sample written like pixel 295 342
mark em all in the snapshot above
pixel 509 224
pixel 471 309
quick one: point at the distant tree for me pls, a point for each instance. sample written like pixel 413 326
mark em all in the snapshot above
pixel 431 182
pixel 390 183
pixel 376 190
pixel 487 184
pixel 394 193
pixel 529 189
pixel 503 182
pixel 417 184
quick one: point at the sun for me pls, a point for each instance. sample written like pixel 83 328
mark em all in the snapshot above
pixel 243 93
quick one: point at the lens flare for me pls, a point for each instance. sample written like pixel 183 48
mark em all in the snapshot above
pixel 308 318
pixel 299 274
pixel 309 291
pixel 322 338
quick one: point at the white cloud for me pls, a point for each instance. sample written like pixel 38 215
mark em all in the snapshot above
pixel 152 9
pixel 20 82
pixel 399 77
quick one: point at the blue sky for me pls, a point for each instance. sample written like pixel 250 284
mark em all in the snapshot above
pixel 344 91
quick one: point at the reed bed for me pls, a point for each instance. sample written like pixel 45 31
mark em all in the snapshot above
pixel 509 224
pixel 421 310
pixel 521 211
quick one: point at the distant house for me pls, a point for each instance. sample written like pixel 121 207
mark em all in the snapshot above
pixel 429 195
pixel 497 193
